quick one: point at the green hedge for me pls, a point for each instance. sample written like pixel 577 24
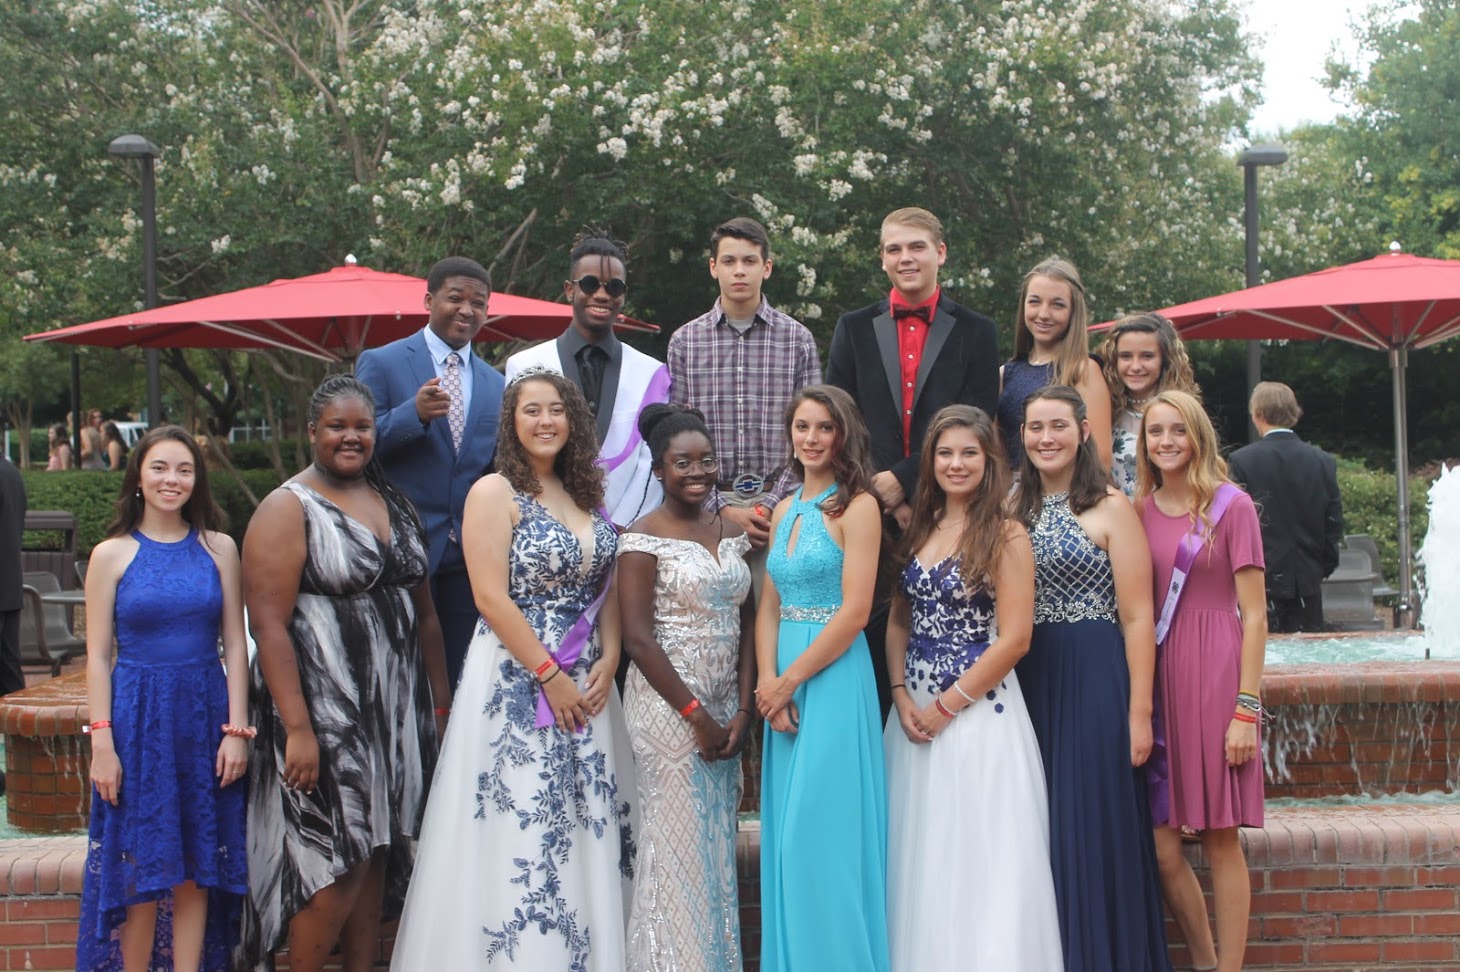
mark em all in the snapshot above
pixel 92 497
pixel 1370 506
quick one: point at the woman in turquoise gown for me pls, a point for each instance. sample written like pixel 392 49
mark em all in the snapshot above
pixel 823 789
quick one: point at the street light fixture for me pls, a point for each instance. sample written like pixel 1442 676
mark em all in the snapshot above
pixel 1253 157
pixel 139 148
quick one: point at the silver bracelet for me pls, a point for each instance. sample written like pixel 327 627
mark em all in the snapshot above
pixel 1249 703
pixel 959 689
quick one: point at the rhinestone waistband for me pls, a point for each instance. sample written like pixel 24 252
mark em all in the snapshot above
pixel 792 613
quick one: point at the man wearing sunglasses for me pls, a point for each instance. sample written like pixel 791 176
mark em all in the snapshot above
pixel 618 381
pixel 740 364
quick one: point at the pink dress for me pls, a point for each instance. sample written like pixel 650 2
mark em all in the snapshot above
pixel 1199 666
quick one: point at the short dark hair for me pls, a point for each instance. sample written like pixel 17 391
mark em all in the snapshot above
pixel 456 267
pixel 741 228
pixel 593 241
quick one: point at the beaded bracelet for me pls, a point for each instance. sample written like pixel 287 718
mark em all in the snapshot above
pixel 690 707
pixel 239 732
pixel 98 724
pixel 959 689
pixel 938 704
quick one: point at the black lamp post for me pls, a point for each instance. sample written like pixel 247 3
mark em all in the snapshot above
pixel 1249 160
pixel 141 149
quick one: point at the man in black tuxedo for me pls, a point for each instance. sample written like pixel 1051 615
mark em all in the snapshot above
pixel 12 526
pixel 904 358
pixel 1295 486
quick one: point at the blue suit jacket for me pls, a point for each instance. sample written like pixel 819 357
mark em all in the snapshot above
pixel 419 458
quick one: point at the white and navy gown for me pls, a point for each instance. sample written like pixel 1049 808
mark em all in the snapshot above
pixel 526 852
pixel 968 873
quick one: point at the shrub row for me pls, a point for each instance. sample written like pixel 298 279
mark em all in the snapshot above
pixel 92 497
pixel 1370 506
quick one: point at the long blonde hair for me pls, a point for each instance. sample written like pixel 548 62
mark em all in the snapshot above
pixel 1206 469
pixel 1074 352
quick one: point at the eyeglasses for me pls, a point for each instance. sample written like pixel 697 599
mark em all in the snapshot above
pixel 589 284
pixel 708 464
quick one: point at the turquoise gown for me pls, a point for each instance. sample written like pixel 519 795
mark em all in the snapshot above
pixel 823 854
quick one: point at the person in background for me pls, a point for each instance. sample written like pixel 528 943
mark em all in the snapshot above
pixel 1207 559
pixel 116 449
pixel 60 449
pixel 1142 356
pixel 689 627
pixel 739 365
pixel 437 406
pixel 349 692
pixel 1052 347
pixel 1295 487
pixel 1087 683
pixel 965 781
pixel 93 448
pixel 617 381
pixel 165 871
pixel 823 852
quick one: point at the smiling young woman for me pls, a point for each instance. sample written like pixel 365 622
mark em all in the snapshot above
pixel 1143 356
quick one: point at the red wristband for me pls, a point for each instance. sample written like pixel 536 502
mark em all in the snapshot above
pixel 445 712
pixel 1248 717
pixel 693 704
pixel 542 669
pixel 98 724
pixel 938 704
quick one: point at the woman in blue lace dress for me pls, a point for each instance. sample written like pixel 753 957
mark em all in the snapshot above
pixel 964 779
pixel 526 854
pixel 1087 680
pixel 1051 347
pixel 165 872
pixel 823 854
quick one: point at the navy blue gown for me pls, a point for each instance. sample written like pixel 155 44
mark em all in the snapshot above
pixel 172 822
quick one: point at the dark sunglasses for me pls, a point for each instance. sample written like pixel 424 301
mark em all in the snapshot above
pixel 589 284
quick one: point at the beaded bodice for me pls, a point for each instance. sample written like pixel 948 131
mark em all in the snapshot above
pixel 808 577
pixel 1072 576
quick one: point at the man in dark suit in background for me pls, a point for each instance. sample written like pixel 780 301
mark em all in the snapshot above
pixel 1295 486
pixel 436 411
pixel 904 358
pixel 12 526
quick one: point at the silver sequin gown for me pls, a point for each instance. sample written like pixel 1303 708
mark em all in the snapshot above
pixel 685 915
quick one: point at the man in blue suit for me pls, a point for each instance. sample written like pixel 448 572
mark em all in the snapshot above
pixel 437 406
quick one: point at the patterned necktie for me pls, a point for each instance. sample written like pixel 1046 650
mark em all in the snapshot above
pixel 456 413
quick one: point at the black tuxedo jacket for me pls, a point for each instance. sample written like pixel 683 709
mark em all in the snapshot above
pixel 1295 486
pixel 960 366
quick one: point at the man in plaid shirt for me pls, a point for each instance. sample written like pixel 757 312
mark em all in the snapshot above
pixel 739 365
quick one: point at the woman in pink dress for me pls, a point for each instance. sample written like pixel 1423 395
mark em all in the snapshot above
pixel 1212 630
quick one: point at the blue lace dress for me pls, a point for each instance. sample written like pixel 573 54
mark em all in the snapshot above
pixel 526 854
pixel 173 823
pixel 823 851
pixel 1077 686
pixel 971 802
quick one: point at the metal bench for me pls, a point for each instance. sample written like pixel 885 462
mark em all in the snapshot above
pixel 1364 542
pixel 46 637
pixel 1348 593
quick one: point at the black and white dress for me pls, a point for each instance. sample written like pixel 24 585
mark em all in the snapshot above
pixel 355 638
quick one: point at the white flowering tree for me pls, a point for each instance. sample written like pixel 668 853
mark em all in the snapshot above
pixel 296 132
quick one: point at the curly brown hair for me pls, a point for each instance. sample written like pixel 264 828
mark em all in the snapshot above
pixel 984 531
pixel 1176 373
pixel 576 464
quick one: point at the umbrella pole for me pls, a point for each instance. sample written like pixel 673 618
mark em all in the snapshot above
pixel 1404 612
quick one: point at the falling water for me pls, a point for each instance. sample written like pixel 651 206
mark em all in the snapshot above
pixel 1440 557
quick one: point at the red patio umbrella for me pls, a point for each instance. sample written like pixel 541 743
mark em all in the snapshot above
pixel 1392 303
pixel 328 316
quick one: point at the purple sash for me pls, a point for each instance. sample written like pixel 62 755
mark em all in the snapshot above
pixel 569 651
pixel 1186 552
pixel 658 391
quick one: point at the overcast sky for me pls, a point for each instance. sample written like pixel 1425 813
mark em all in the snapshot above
pixel 1295 38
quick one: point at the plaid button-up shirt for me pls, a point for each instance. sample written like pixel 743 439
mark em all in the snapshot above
pixel 743 382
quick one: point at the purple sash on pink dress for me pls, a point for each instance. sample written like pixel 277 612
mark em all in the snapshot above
pixel 1158 774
